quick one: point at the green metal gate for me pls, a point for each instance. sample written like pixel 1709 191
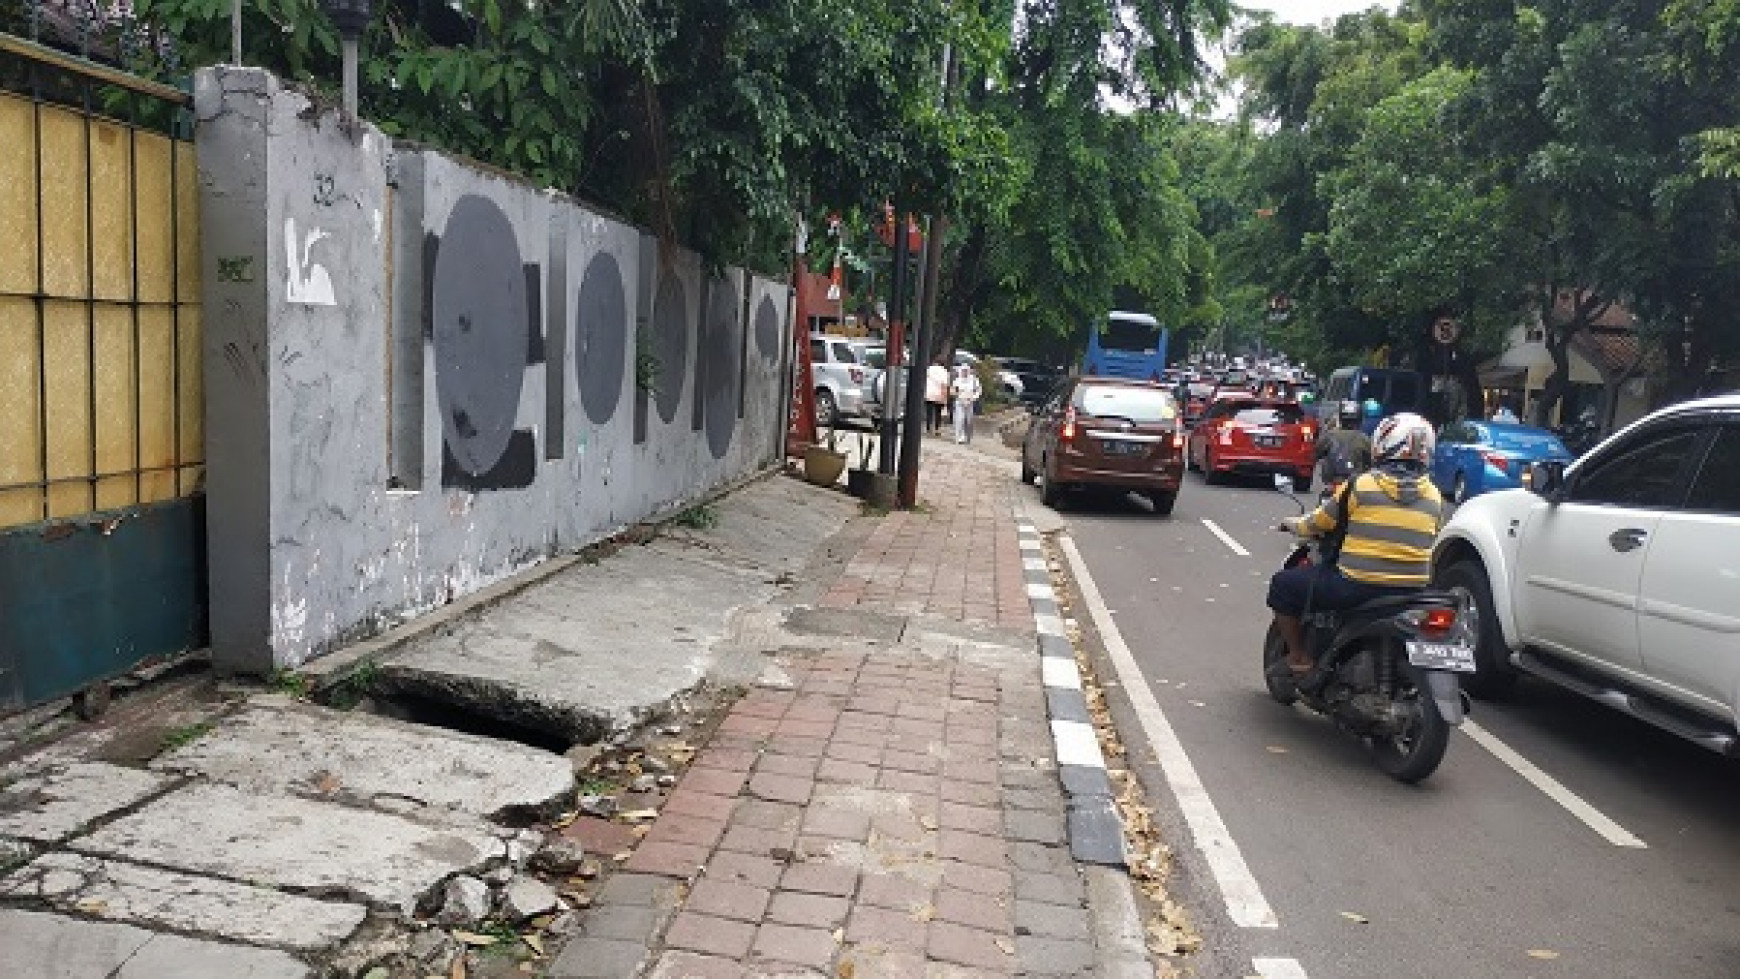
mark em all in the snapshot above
pixel 101 443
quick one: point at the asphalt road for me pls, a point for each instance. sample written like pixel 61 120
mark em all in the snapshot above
pixel 1464 875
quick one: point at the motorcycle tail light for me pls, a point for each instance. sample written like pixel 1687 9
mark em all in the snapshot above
pixel 1068 432
pixel 1436 621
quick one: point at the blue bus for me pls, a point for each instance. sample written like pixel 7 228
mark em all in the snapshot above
pixel 1126 344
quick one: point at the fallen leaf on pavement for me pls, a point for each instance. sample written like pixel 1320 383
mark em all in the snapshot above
pixel 473 938
pixel 637 815
pixel 1006 945
pixel 923 912
pixel 846 969
pixel 1356 918
pixel 1542 953
pixel 91 905
pixel 534 943
pixel 928 822
pixel 839 935
pixel 458 970
pixel 326 783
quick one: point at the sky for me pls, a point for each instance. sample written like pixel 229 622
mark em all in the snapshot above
pixel 1314 11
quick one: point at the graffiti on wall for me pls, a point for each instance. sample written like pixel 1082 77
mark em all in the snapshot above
pixel 308 282
pixel 484 323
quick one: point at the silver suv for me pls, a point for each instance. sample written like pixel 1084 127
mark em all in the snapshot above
pixel 843 379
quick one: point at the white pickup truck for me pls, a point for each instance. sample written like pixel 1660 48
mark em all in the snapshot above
pixel 1619 577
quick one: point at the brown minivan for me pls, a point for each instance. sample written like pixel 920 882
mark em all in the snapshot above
pixel 1110 432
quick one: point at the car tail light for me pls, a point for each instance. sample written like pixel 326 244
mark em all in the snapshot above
pixel 856 374
pixel 1308 433
pixel 1177 441
pixel 1226 435
pixel 1068 432
pixel 1496 461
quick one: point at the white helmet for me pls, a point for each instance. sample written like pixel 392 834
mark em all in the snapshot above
pixel 1404 437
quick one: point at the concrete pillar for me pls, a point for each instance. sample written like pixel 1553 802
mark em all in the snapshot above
pixel 293 225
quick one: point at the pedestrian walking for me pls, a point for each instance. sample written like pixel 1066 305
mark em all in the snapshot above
pixel 936 394
pixel 966 390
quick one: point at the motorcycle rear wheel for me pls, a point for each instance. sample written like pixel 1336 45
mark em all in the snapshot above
pixel 1412 756
pixel 1275 651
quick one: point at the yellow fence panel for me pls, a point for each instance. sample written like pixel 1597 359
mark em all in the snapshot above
pixel 155 197
pixel 66 369
pixel 20 413
pixel 17 197
pixel 101 367
pixel 111 150
pixel 157 453
pixel 116 430
pixel 65 255
pixel 191 400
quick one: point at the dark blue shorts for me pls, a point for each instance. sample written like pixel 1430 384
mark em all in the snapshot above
pixel 1327 589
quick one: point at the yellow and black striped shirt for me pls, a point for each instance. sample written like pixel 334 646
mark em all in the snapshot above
pixel 1391 524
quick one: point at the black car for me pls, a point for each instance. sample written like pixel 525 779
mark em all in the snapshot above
pixel 1037 380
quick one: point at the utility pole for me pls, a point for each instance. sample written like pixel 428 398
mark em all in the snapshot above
pixel 885 456
pixel 923 339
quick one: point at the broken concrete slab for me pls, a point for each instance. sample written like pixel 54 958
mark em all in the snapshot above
pixel 130 894
pixel 861 624
pixel 276 745
pixel 54 804
pixel 550 657
pixel 383 860
pixel 52 946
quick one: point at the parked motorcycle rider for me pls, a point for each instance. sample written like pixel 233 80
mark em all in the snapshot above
pixel 1345 446
pixel 1393 513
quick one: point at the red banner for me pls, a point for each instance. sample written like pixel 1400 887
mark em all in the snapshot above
pixel 800 428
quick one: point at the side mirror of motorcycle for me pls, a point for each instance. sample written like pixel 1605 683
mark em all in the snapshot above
pixel 1283 484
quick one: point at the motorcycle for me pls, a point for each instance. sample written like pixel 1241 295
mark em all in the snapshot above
pixel 1386 671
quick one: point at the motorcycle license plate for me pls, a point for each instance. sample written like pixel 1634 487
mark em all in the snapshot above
pixel 1455 657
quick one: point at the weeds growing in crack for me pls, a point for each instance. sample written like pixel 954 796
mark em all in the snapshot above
pixel 701 516
pixel 185 735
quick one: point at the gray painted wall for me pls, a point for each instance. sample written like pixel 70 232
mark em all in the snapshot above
pixel 429 380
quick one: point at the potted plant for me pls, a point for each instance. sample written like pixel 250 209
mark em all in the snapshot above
pixel 824 463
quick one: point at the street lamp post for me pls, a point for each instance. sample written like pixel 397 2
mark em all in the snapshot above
pixel 351 17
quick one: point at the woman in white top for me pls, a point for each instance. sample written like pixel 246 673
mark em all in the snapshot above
pixel 966 390
pixel 936 395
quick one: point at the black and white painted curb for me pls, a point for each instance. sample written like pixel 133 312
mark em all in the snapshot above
pixel 1096 832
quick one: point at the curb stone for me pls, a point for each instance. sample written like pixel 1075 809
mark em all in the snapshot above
pixel 1096 831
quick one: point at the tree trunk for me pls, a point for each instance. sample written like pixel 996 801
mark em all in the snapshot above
pixel 1558 347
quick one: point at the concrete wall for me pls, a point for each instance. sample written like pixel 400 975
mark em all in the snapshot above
pixel 430 380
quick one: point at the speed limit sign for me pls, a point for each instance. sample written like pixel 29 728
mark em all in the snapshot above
pixel 1445 330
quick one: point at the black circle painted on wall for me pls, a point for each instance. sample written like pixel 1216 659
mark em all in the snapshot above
pixel 767 329
pixel 670 344
pixel 721 343
pixel 601 338
pixel 478 319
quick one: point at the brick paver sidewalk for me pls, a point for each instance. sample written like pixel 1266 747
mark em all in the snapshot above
pixel 873 810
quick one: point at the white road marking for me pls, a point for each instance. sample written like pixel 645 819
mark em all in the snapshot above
pixel 1225 538
pixel 1245 903
pixel 1279 968
pixel 1611 831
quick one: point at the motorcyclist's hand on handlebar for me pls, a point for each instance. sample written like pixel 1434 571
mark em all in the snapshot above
pixel 1291 525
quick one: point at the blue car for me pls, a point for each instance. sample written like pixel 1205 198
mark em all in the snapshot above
pixel 1475 457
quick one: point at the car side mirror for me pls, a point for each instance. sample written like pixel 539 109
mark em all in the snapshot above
pixel 1544 478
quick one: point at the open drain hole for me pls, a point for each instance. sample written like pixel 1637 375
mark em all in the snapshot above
pixel 414 708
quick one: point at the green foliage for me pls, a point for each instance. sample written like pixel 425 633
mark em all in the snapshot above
pixel 185 735
pixel 356 683
pixel 701 516
pixel 288 682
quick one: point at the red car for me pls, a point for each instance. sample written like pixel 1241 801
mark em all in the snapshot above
pixel 1242 433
